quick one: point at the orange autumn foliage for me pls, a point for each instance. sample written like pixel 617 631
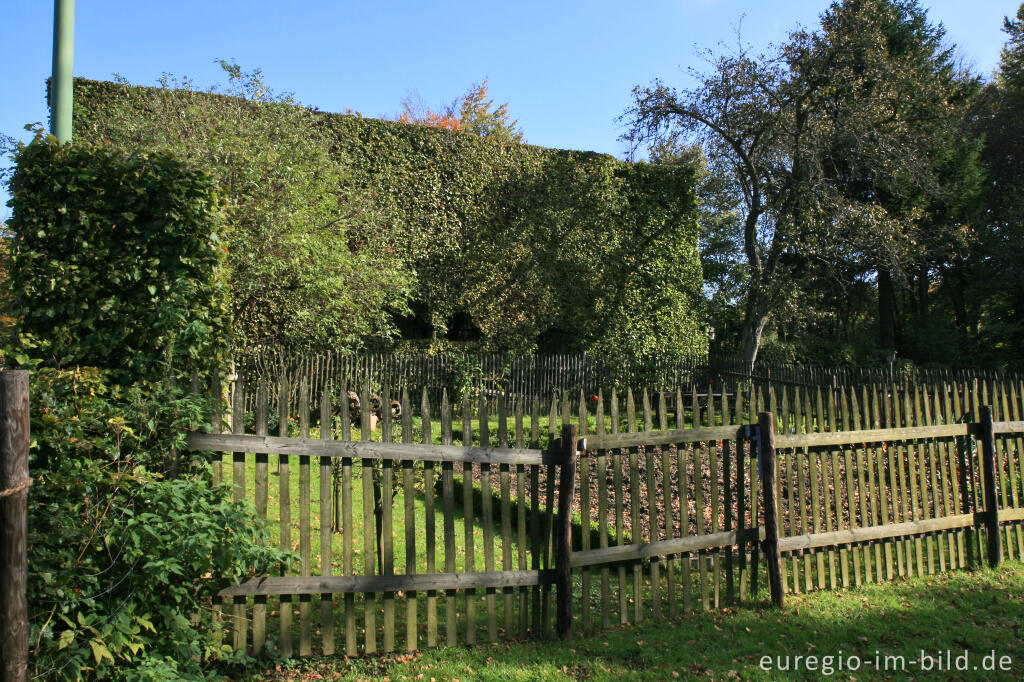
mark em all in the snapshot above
pixel 472 112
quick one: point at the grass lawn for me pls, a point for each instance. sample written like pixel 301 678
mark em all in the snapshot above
pixel 398 506
pixel 977 612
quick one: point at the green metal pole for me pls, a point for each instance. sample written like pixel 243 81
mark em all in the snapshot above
pixel 63 62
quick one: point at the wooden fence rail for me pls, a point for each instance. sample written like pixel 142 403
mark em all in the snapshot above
pixel 440 525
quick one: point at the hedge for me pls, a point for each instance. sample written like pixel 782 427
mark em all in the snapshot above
pixel 115 260
pixel 516 245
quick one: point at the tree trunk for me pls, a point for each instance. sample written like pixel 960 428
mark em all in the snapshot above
pixel 754 321
pixel 886 310
pixel 954 283
pixel 923 284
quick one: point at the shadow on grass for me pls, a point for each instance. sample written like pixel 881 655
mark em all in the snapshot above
pixel 880 629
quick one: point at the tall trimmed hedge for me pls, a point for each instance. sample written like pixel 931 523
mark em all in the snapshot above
pixel 114 259
pixel 520 245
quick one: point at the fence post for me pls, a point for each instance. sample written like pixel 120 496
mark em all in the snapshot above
pixel 988 454
pixel 563 552
pixel 14 483
pixel 766 463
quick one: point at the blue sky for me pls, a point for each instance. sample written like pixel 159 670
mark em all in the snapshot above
pixel 566 68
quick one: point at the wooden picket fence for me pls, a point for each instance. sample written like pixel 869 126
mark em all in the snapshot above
pixel 883 481
pixel 488 374
pixel 422 533
pixel 372 477
pixel 524 376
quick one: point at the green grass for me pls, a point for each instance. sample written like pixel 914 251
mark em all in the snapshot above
pixel 398 509
pixel 974 611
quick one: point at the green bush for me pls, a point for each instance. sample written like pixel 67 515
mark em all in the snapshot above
pixel 114 259
pixel 124 560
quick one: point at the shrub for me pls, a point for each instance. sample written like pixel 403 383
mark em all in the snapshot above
pixel 124 560
pixel 114 259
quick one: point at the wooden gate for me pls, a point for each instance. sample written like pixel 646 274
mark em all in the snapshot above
pixel 448 542
pixel 669 515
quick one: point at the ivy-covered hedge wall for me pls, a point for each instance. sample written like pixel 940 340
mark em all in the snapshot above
pixel 440 234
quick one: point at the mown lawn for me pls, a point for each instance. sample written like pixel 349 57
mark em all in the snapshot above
pixel 398 500
pixel 974 612
pixel 396 507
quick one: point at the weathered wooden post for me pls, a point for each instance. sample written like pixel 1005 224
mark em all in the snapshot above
pixel 986 436
pixel 14 484
pixel 766 464
pixel 563 551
